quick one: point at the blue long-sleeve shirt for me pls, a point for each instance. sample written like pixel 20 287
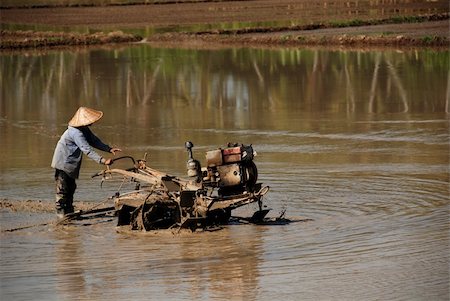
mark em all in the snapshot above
pixel 71 145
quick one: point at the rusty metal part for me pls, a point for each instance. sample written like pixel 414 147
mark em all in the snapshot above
pixel 165 201
pixel 157 214
pixel 85 214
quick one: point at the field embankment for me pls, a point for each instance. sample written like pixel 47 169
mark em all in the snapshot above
pixel 257 22
pixel 36 39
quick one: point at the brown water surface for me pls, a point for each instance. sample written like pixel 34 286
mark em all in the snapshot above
pixel 357 141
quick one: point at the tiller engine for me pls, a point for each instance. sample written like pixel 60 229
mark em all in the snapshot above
pixel 205 198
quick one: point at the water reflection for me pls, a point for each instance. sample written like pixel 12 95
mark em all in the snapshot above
pixel 221 265
pixel 147 88
pixel 352 81
pixel 357 141
pixel 70 266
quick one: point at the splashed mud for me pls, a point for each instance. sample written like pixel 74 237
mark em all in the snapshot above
pixel 38 206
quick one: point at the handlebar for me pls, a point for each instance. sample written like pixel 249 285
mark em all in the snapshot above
pixel 123 157
pixel 112 161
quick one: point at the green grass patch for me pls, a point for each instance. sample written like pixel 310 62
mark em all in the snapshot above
pixel 427 40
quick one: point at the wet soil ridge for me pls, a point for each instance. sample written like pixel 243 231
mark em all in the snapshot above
pixel 336 24
pixel 360 40
pixel 35 39
pixel 105 3
pixel 311 34
pixel 284 36
pixel 41 206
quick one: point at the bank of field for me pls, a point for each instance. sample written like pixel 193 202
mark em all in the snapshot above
pixel 45 23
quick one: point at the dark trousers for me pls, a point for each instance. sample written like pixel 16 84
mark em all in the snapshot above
pixel 65 189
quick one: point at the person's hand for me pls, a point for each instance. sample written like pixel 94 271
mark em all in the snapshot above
pixel 114 150
pixel 106 161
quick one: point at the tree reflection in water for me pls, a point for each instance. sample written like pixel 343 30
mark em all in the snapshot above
pixel 153 95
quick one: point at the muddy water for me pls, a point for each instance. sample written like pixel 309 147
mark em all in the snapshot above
pixel 355 141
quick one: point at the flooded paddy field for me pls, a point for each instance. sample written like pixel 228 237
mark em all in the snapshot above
pixel 355 142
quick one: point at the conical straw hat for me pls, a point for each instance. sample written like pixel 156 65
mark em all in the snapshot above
pixel 85 116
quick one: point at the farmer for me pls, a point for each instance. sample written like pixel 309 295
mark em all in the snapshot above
pixel 76 139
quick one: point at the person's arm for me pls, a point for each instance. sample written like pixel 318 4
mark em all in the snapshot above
pixel 94 141
pixel 82 142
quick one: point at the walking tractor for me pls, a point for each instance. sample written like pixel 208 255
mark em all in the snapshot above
pixel 205 198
